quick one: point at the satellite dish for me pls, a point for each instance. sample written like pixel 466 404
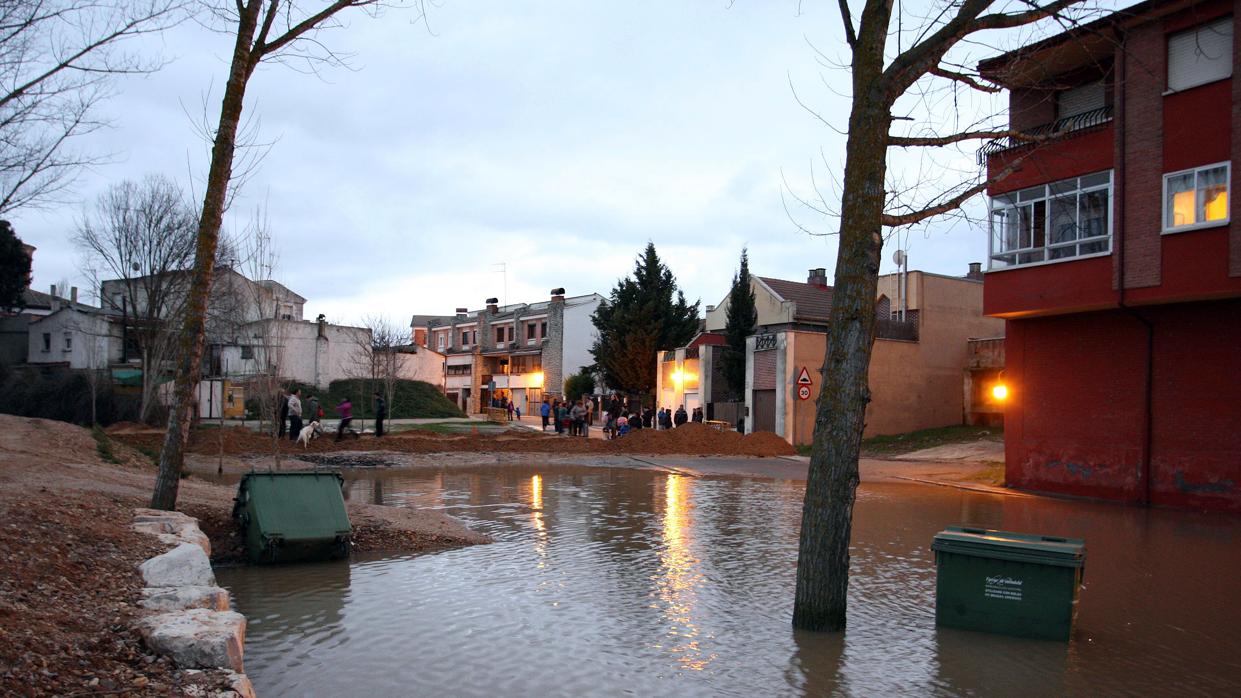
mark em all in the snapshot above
pixel 898 257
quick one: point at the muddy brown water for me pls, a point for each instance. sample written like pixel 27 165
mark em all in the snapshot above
pixel 622 581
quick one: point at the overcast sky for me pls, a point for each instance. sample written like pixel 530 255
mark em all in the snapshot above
pixel 554 137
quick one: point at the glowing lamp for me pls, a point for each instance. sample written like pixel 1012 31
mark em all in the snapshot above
pixel 999 391
pixel 678 376
pixel 537 381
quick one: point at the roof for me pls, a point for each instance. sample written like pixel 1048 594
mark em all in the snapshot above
pixel 277 286
pixel 813 301
pixel 504 312
pixel 1035 62
pixel 35 299
pixel 707 338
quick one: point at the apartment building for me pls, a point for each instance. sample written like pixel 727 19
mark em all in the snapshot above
pixel 521 352
pixel 1114 261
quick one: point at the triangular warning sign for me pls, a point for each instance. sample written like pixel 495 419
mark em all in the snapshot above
pixel 803 378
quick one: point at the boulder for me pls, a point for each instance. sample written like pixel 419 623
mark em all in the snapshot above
pixel 181 598
pixel 241 685
pixel 185 565
pixel 172 527
pixel 198 638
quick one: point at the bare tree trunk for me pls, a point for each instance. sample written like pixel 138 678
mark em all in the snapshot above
pixel 193 332
pixel 831 485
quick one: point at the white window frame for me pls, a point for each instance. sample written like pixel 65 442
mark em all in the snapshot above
pixel 441 336
pixel 1047 246
pixel 1163 211
pixel 1192 35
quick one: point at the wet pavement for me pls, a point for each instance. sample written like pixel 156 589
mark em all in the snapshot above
pixel 606 581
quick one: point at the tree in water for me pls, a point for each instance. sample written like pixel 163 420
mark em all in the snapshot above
pixel 264 30
pixel 14 268
pixel 645 313
pixel 741 319
pixel 881 75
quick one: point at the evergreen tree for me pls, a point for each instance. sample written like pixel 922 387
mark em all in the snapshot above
pixel 645 313
pixel 14 268
pixel 740 322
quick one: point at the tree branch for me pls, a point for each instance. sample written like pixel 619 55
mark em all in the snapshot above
pixel 847 19
pixel 967 80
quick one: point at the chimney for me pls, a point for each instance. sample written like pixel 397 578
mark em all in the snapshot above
pixel 710 308
pixel 52 293
pixel 817 277
pixel 73 294
pixel 461 313
pixel 493 306
pixel 557 295
pixel 975 271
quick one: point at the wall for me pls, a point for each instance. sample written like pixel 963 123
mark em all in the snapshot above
pixel 1076 413
pixel 92 346
pixel 770 309
pixel 301 354
pixel 579 336
pixel 421 365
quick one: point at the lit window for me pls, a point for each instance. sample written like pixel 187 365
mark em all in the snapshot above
pixel 1196 198
pixel 1062 220
pixel 1200 55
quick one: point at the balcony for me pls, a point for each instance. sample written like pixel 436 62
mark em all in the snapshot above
pixel 1084 121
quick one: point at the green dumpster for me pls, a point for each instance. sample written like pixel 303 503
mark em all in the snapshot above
pixel 293 516
pixel 1008 583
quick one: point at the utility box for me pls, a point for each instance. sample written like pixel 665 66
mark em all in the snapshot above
pixel 1008 583
pixel 292 517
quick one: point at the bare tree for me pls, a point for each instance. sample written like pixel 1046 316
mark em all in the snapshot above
pixel 883 77
pixel 264 30
pixel 137 245
pixel 379 354
pixel 58 59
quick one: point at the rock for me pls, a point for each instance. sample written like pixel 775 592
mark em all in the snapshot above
pixel 183 598
pixel 172 527
pixel 185 565
pixel 198 638
pixel 240 683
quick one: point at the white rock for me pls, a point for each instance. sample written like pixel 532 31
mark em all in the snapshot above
pixel 198 638
pixel 241 685
pixel 182 598
pixel 185 565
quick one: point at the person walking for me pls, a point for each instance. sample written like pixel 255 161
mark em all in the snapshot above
pixel 345 410
pixel 545 411
pixel 381 413
pixel 283 413
pixel 295 414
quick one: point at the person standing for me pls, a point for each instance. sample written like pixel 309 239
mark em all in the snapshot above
pixel 283 413
pixel 312 411
pixel 511 407
pixel 345 410
pixel 578 415
pixel 681 417
pixel 295 414
pixel 381 413
pixel 545 411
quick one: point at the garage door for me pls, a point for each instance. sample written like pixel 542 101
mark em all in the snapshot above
pixel 764 410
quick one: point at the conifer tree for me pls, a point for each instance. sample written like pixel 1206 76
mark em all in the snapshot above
pixel 14 267
pixel 644 314
pixel 740 322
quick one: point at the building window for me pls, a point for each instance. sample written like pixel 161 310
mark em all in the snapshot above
pixel 1200 55
pixel 47 341
pixel 1079 100
pixel 68 342
pixel 499 335
pixel 465 339
pixel 458 370
pixel 531 331
pixel 439 342
pixel 1061 220
pixel 543 329
pixel 247 353
pixel 1196 198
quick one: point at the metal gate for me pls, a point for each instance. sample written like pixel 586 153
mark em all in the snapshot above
pixel 764 411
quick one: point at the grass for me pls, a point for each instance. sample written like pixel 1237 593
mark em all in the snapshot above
pixel 895 444
pixel 103 446
pixel 452 427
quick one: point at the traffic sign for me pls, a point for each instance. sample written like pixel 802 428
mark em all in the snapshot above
pixel 803 378
pixel 803 392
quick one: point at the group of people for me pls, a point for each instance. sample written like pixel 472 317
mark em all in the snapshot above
pixel 573 416
pixel 292 411
pixel 504 403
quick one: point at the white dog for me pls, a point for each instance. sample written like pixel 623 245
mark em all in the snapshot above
pixel 309 432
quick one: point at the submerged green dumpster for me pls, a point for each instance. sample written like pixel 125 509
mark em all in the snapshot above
pixel 1008 583
pixel 293 516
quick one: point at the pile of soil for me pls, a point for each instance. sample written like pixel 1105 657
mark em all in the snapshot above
pixel 69 586
pixel 688 439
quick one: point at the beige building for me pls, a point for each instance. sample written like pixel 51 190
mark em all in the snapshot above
pixel 916 370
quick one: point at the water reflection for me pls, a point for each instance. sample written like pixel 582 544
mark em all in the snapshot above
pixel 611 581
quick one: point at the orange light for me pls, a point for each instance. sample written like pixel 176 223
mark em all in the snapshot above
pixel 999 391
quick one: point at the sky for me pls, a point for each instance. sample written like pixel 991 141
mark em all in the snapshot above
pixel 549 139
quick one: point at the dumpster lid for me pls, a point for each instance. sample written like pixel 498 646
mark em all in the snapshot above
pixel 986 542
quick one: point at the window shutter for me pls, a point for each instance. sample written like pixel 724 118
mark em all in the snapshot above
pixel 1201 55
pixel 1079 100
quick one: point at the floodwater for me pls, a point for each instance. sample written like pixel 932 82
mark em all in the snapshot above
pixel 621 581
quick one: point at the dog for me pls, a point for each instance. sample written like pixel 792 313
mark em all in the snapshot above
pixel 309 432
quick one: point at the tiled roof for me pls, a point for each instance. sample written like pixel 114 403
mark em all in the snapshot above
pixel 813 302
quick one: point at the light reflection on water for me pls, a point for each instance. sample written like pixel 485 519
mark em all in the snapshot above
pixel 605 581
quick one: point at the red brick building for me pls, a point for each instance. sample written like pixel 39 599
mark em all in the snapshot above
pixel 1114 260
